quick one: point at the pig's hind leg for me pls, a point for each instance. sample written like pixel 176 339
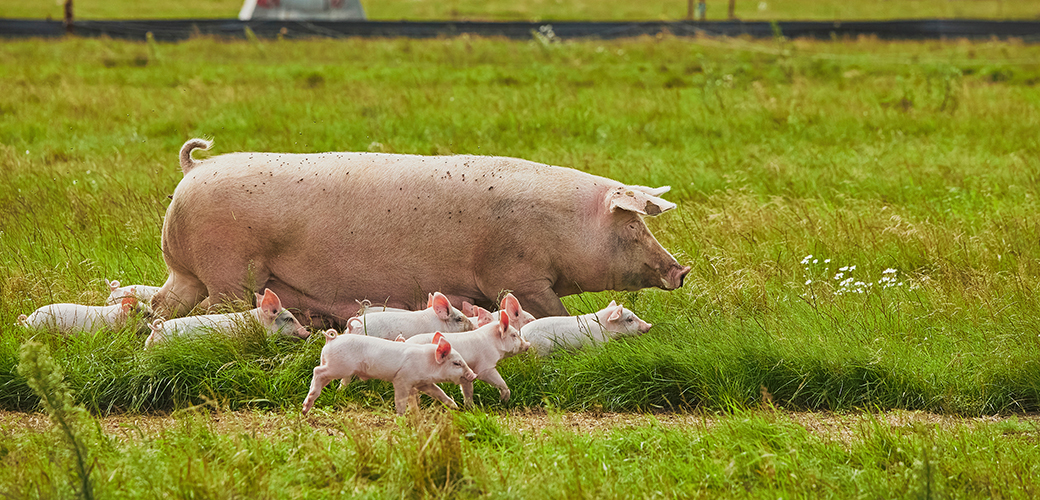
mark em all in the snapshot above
pixel 179 295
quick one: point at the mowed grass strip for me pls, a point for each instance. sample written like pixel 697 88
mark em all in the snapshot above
pixel 438 454
pixel 859 215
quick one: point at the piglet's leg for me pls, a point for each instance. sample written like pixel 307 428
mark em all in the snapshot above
pixel 467 392
pixel 494 378
pixel 322 377
pixel 435 392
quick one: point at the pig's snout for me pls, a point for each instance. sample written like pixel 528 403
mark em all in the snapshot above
pixel 645 327
pixel 302 332
pixel 675 278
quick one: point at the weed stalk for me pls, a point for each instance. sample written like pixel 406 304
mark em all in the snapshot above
pixel 46 379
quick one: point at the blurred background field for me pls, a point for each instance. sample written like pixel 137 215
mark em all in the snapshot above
pixel 549 10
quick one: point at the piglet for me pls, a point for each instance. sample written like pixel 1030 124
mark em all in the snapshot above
pixel 367 307
pixel 116 293
pixel 442 317
pixel 411 367
pixel 76 318
pixel 519 317
pixel 574 332
pixel 269 313
pixel 482 349
pixel 478 315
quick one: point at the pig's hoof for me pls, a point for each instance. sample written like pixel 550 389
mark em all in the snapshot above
pixel 505 395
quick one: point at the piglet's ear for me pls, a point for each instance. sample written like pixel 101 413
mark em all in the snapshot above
pixel 615 314
pixel 400 338
pixel 437 337
pixel 634 200
pixel 269 303
pixel 127 303
pixel 441 306
pixel 612 304
pixel 467 309
pixel 429 300
pixel 483 316
pixel 443 350
pixel 503 323
pixel 510 304
pixel 112 285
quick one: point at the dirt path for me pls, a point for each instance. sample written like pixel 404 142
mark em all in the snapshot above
pixel 835 426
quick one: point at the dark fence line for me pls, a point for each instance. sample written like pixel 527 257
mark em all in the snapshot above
pixel 181 29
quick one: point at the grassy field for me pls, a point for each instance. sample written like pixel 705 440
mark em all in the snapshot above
pixel 512 10
pixel 860 217
pixel 473 455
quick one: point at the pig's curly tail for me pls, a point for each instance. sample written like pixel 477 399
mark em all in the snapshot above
pixel 187 162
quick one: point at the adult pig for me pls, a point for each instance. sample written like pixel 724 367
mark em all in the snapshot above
pixel 323 230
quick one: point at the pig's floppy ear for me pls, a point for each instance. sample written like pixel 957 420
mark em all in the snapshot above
pixel 653 191
pixel 467 309
pixel 443 350
pixel 634 200
pixel 615 314
pixel 437 336
pixel 400 338
pixel 441 306
pixel 429 300
pixel 112 285
pixel 612 304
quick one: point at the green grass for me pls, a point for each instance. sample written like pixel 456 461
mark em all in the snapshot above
pixel 475 455
pixel 511 10
pixel 921 158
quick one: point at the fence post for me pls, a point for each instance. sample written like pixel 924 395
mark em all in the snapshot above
pixel 67 21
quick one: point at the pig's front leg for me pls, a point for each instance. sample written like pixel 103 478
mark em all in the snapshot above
pixel 321 378
pixel 467 392
pixel 434 391
pixel 542 303
pixel 494 378
pixel 402 393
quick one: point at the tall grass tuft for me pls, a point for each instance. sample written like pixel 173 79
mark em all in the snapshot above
pixel 431 451
pixel 73 422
